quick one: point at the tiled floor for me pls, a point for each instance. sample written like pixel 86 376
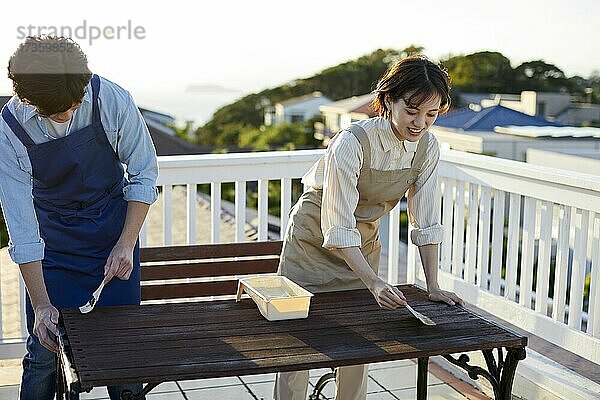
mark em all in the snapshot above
pixel 387 381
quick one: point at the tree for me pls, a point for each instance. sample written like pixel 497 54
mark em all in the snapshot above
pixel 355 77
pixel 484 71
pixel 540 76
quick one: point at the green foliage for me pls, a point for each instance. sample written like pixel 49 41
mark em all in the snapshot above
pixel 484 71
pixel 348 79
pixel 540 76
pixel 286 136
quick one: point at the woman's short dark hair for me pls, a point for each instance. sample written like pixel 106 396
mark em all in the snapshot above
pixel 414 79
pixel 49 72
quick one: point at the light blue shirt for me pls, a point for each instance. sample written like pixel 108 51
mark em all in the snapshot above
pixel 126 132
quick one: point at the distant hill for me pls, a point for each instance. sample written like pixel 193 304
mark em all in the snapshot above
pixel 351 78
pixel 484 71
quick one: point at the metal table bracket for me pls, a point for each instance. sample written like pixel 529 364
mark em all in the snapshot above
pixel 500 373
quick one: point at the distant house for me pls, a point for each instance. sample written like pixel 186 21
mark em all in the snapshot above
pixel 296 109
pixel 165 140
pixel 340 114
pixel 558 107
pixel 503 132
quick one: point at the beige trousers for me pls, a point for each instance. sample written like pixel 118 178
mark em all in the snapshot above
pixel 351 384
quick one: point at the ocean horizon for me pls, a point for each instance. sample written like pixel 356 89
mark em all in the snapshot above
pixel 185 105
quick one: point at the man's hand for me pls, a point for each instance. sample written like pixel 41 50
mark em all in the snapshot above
pixel 387 296
pixel 444 296
pixel 45 326
pixel 119 263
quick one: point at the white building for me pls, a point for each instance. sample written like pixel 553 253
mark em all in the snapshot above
pixel 552 106
pixel 503 132
pixel 296 109
pixel 340 114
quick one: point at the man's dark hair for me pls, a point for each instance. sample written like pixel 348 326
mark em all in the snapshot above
pixel 49 72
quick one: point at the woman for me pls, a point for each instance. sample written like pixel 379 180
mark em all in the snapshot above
pixel 332 240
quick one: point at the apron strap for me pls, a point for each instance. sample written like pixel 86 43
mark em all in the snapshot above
pixel 16 127
pixel 95 91
pixel 360 134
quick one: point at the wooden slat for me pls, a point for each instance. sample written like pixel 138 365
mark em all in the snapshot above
pixel 527 246
pixel 210 269
pixel 544 250
pixel 497 242
pixel 185 290
pixel 483 240
pixel 562 263
pixel 471 241
pixel 204 251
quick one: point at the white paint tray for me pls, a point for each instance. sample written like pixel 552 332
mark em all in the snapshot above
pixel 277 297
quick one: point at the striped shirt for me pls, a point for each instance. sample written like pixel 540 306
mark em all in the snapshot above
pixel 336 173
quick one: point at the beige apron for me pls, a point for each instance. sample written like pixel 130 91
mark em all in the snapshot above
pixel 306 262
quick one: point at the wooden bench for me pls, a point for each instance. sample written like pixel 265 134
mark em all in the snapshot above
pixel 165 271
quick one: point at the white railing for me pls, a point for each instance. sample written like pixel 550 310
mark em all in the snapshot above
pixel 510 225
pixel 483 191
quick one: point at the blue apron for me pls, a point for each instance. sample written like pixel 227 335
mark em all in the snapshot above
pixel 78 185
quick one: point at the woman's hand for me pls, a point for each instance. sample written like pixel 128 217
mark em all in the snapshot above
pixel 444 296
pixel 386 295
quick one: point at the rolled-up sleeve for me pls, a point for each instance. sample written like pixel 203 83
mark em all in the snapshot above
pixel 25 244
pixel 343 161
pixel 137 152
pixel 424 201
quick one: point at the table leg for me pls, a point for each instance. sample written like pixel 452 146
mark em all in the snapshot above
pixel 500 374
pixel 422 378
pixel 513 356
pixel 129 395
pixel 320 385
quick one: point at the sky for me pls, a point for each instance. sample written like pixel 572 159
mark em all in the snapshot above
pixel 245 46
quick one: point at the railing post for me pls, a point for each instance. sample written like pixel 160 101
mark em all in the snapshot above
pixel 240 211
pixel 411 259
pixel 215 212
pixel 394 246
pixel 263 209
pixel 191 213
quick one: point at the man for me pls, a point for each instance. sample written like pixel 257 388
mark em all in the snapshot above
pixel 72 212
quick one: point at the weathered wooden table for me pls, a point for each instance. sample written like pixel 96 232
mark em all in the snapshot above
pixel 158 343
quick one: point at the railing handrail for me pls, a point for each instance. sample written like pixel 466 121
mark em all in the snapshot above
pixel 549 184
pixel 515 168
